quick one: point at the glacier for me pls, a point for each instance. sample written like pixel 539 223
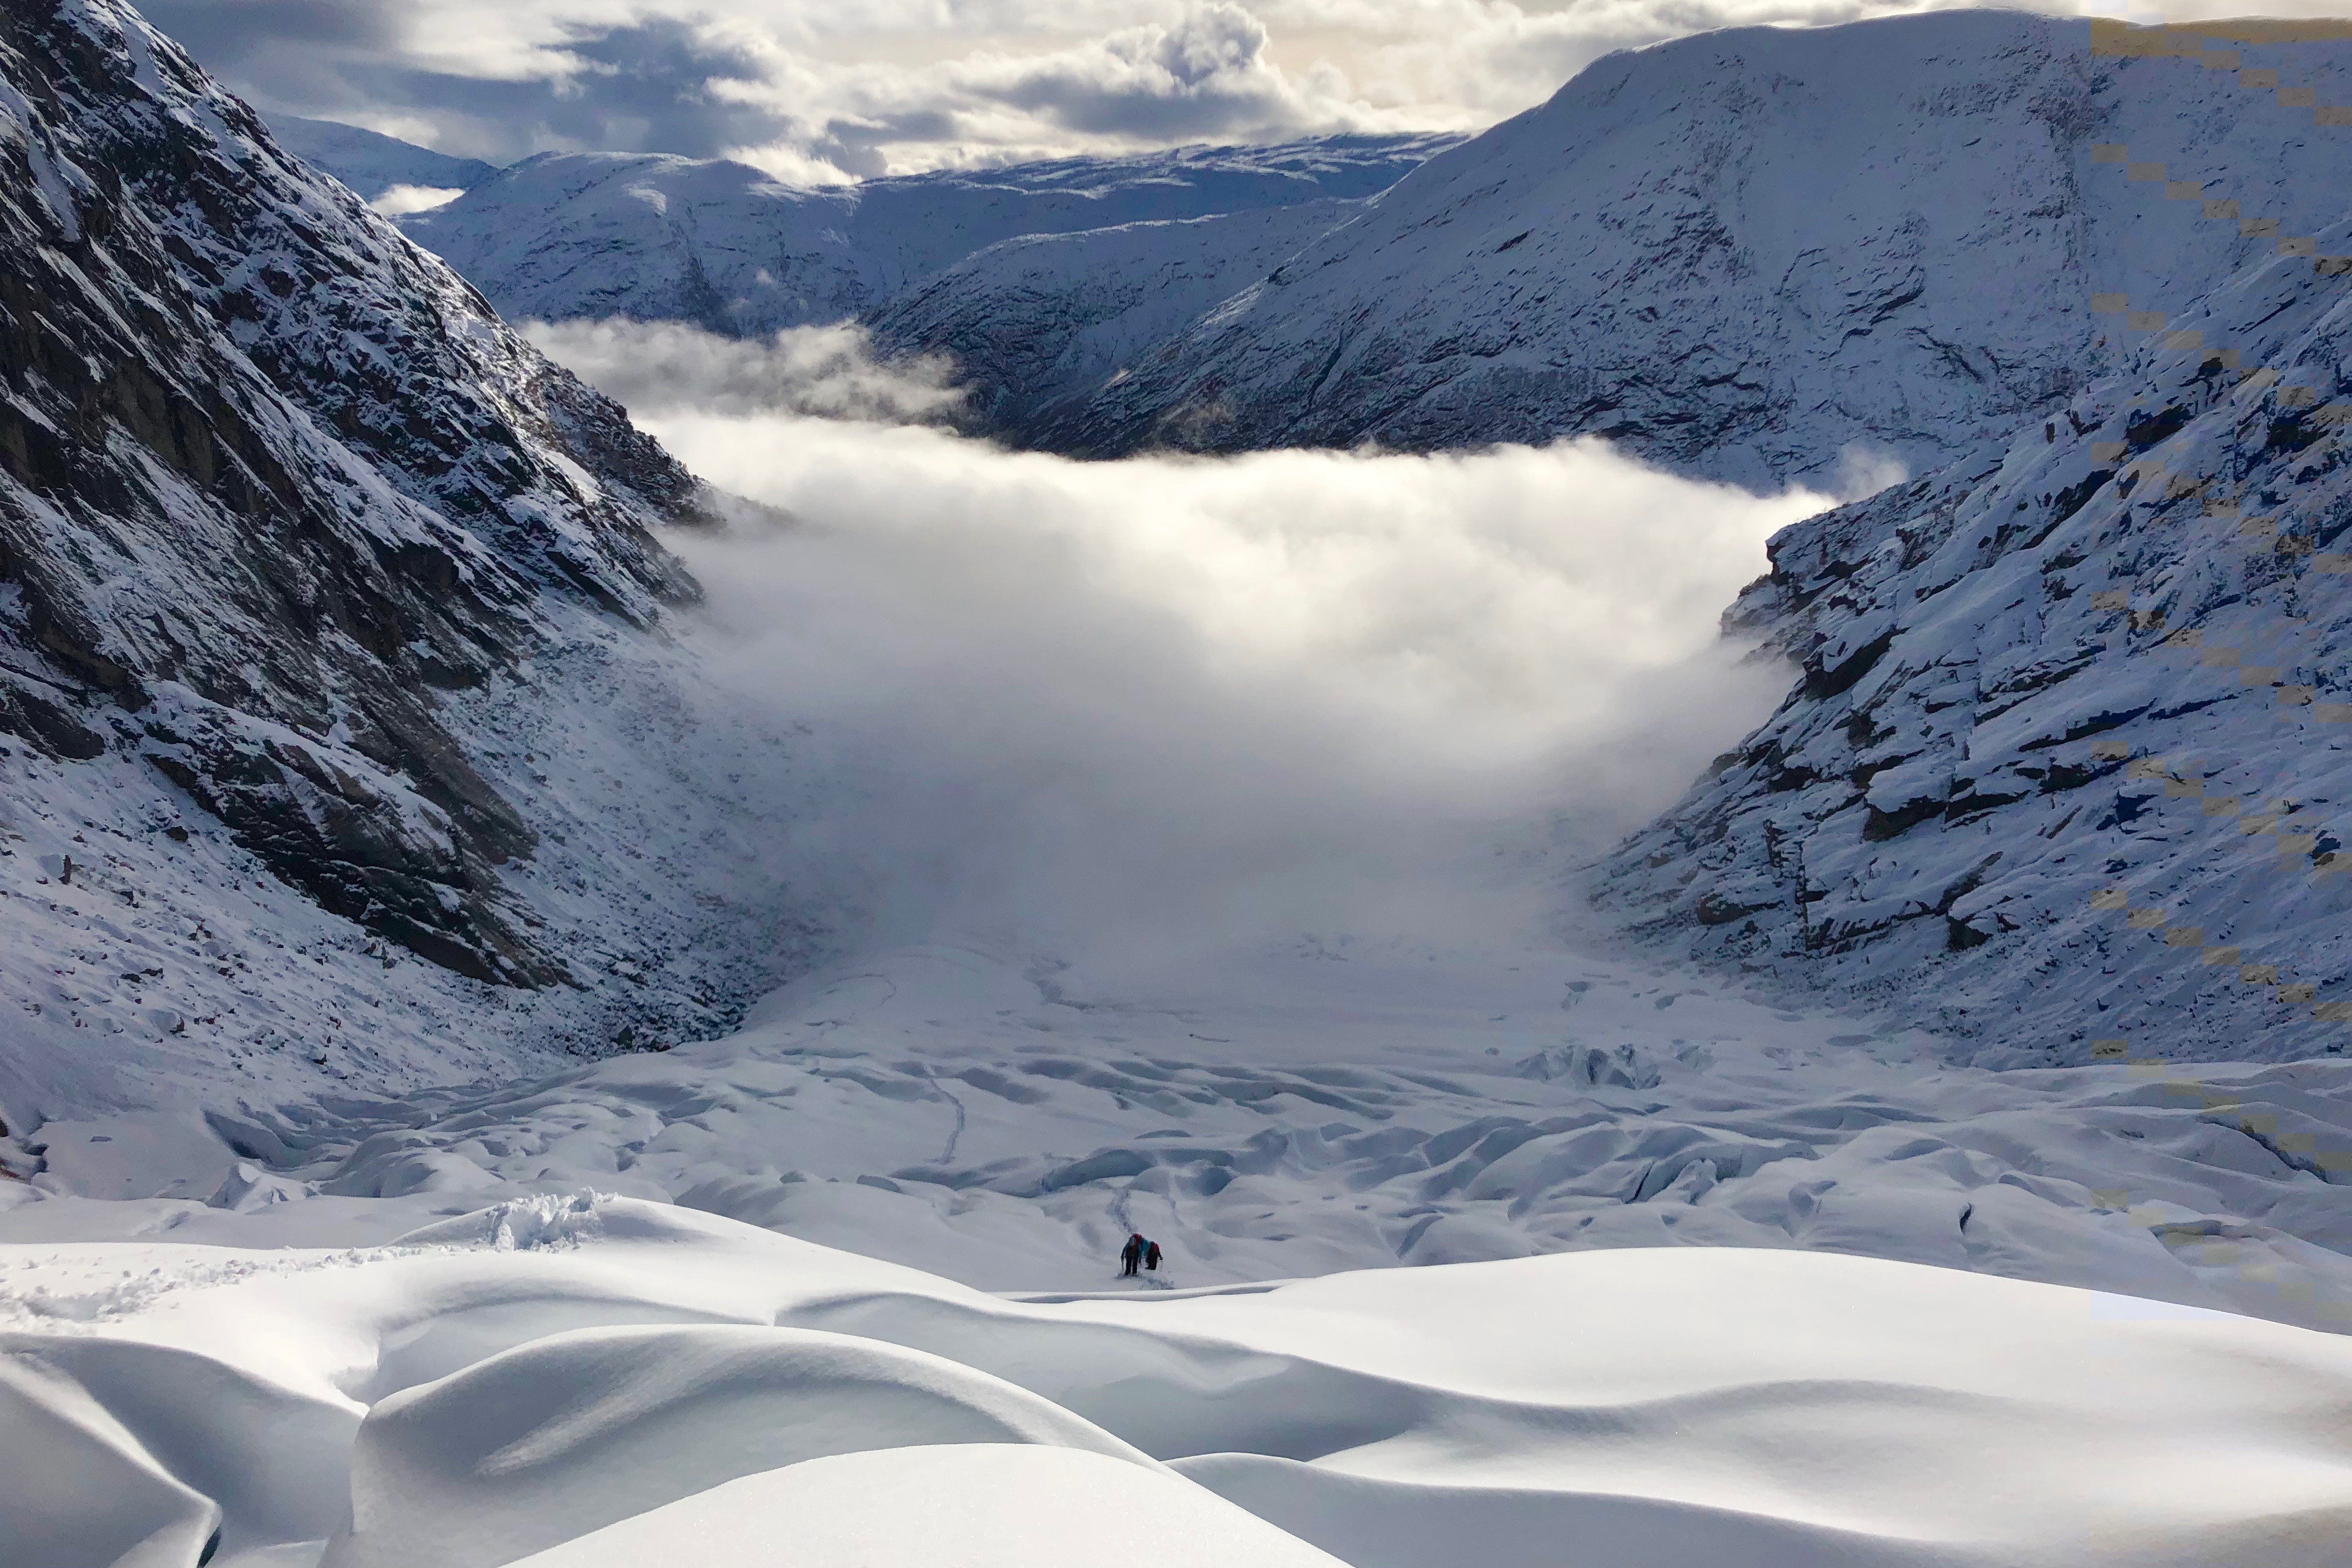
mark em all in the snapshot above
pixel 445 1119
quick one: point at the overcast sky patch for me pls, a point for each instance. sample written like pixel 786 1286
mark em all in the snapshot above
pixel 814 89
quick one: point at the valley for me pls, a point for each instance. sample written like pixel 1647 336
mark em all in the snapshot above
pixel 581 983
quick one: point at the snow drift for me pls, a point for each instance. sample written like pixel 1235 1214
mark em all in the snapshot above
pixel 1664 1407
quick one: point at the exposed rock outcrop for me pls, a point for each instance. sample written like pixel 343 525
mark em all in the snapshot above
pixel 271 477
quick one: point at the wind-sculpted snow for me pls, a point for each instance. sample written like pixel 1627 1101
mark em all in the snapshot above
pixel 729 248
pixel 993 1506
pixel 2064 763
pixel 556 1436
pixel 598 1381
pixel 1742 253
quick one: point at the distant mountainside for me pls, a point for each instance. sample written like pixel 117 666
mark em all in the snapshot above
pixel 1743 252
pixel 2067 765
pixel 321 592
pixel 371 164
pixel 566 236
pixel 1754 255
pixel 1037 325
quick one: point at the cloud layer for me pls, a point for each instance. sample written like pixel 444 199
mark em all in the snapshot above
pixel 813 90
pixel 1171 700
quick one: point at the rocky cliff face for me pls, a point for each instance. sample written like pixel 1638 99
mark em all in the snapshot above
pixel 1742 253
pixel 286 516
pixel 2066 763
pixel 272 478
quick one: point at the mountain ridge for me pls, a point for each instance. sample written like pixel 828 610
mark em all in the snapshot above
pixel 728 247
pixel 293 534
pixel 371 162
pixel 1743 253
pixel 2063 706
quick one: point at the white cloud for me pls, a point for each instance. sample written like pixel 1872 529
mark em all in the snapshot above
pixel 810 88
pixel 666 368
pixel 1175 699
pixel 400 200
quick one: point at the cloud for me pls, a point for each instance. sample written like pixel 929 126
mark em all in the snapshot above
pixel 660 85
pixel 293 45
pixel 398 201
pixel 817 89
pixel 656 369
pixel 1166 702
pixel 1204 75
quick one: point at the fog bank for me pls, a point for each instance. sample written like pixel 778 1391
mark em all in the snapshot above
pixel 1175 699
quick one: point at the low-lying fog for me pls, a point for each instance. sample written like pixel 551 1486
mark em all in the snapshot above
pixel 1170 698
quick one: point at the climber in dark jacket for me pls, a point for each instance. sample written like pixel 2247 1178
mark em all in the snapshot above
pixel 1151 1256
pixel 1131 1254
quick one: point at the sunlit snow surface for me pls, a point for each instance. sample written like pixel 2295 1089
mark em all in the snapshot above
pixel 577 1382
pixel 421 1338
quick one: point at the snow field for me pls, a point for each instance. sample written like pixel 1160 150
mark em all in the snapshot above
pixel 577 1378
pixel 1298 1111
pixel 976 1506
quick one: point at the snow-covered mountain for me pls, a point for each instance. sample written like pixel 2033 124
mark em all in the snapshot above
pixel 371 162
pixel 724 246
pixel 1756 255
pixel 1035 326
pixel 2065 762
pixel 345 753
pixel 320 588
pixel 1739 254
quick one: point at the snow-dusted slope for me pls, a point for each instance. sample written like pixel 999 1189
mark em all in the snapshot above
pixel 1034 326
pixel 722 244
pixel 323 594
pixel 371 162
pixel 589 1383
pixel 2067 758
pixel 1740 252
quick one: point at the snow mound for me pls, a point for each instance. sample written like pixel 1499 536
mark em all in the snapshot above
pixel 121 1452
pixel 574 1431
pixel 975 1507
pixel 1656 1405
